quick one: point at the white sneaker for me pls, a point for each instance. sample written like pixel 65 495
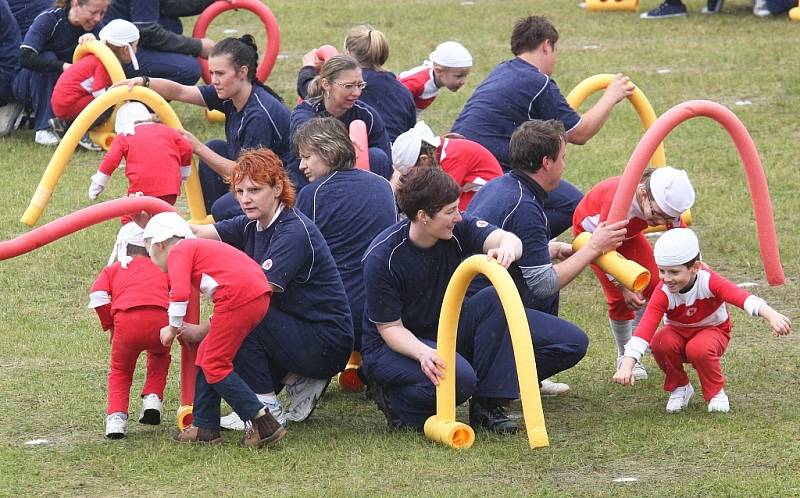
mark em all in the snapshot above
pixel 8 116
pixel 232 422
pixel 151 410
pixel 719 403
pixel 679 398
pixel 116 426
pixel 47 137
pixel 305 393
pixel 760 8
pixel 550 388
pixel 276 410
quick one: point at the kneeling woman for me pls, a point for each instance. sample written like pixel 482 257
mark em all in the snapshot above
pixel 307 334
pixel 406 272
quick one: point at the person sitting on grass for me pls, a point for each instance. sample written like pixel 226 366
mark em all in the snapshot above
pixel 448 66
pixel 130 297
pixel 691 298
pixel 240 294
pixel 157 158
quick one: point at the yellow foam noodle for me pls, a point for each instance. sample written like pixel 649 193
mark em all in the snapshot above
pixel 184 416
pixel 686 218
pixel 612 5
pixel 629 273
pixel 794 14
pixel 214 116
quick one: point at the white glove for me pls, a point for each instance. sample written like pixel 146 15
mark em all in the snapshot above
pixel 99 182
pixel 185 172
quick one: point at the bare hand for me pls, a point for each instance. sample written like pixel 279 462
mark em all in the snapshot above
pixel 502 256
pixel 85 38
pixel 191 139
pixel 619 88
pixel 191 332
pixel 310 59
pixel 559 250
pixel 432 366
pixel 130 83
pixel 207 44
pixel 65 66
pixel 167 335
pixel 780 324
pixel 608 237
pixel 624 373
pixel 633 300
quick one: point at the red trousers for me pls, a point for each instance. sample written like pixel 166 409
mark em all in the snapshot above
pixel 672 347
pixel 137 330
pixel 228 330
pixel 637 249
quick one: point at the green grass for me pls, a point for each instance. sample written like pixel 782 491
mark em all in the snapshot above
pixel 53 358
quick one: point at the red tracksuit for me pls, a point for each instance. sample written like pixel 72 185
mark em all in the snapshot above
pixel 78 86
pixel 133 303
pixel 592 210
pixel 238 288
pixel 420 82
pixel 696 329
pixel 467 162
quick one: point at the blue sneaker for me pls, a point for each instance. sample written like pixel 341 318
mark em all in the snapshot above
pixel 712 7
pixel 664 11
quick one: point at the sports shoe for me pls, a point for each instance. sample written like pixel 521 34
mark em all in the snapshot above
pixel 264 431
pixel 192 434
pixel 47 137
pixel 719 403
pixel 490 414
pixel 376 393
pixel 679 398
pixel 664 11
pixel 305 393
pixel 549 388
pixel 232 422
pixel 87 143
pixel 58 125
pixel 116 426
pixel 712 7
pixel 151 410
pixel 639 372
pixel 760 8
pixel 8 116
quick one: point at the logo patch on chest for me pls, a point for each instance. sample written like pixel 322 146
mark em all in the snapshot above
pixel 267 264
pixel 691 311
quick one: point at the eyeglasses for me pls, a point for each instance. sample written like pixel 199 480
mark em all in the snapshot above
pixel 350 87
pixel 657 214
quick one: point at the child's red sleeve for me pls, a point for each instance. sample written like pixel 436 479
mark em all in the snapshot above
pixel 727 290
pixel 179 265
pixel 184 149
pixel 100 299
pixel 101 80
pixel 653 314
pixel 118 150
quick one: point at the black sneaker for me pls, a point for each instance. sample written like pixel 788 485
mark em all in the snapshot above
pixel 375 393
pixel 713 6
pixel 59 126
pixel 490 414
pixel 665 10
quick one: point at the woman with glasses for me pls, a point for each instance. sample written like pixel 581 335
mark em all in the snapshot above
pixel 336 92
pixel 662 195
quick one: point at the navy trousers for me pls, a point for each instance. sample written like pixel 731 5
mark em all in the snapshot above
pixel 283 343
pixel 560 206
pixel 485 364
pixel 33 89
pixel 232 389
pixel 183 69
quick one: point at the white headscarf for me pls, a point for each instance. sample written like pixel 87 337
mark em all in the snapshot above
pixel 451 54
pixel 166 225
pixel 676 247
pixel 406 147
pixel 121 33
pixel 130 234
pixel 672 190
pixel 128 115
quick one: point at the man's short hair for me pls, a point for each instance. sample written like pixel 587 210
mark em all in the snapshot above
pixel 534 140
pixel 530 32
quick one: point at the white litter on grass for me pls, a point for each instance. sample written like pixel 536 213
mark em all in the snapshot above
pixel 664 70
pixel 230 31
pixel 743 102
pixel 282 56
pixel 467 3
pixel 591 47
pixel 36 442
pixel 625 479
pixel 652 235
pixel 746 285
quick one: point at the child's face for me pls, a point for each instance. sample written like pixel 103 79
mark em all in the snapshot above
pixel 158 253
pixel 452 78
pixel 124 55
pixel 654 215
pixel 677 278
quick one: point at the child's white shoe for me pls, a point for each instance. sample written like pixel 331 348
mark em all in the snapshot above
pixel 719 403
pixel 552 388
pixel 679 398
pixel 116 426
pixel 151 410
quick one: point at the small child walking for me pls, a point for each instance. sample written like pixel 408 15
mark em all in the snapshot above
pixel 130 297
pixel 448 66
pixel 239 290
pixel 692 299
pixel 157 158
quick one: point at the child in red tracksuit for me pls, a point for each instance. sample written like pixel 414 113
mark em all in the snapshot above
pixel 691 298
pixel 130 296
pixel 661 197
pixel 240 293
pixel 157 158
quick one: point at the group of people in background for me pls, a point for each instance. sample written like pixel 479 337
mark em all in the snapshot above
pixel 311 259
pixel 676 8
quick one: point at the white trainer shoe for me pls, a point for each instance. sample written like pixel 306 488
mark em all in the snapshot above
pixel 232 422
pixel 305 393
pixel 760 8
pixel 550 388
pixel 47 137
pixel 679 398
pixel 8 116
pixel 116 426
pixel 719 403
pixel 151 410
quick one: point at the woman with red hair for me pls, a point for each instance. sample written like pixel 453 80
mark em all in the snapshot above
pixel 307 334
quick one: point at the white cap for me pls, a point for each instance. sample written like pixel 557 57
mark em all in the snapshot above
pixel 166 225
pixel 127 116
pixel 121 33
pixel 451 54
pixel 406 147
pixel 130 234
pixel 676 247
pixel 672 190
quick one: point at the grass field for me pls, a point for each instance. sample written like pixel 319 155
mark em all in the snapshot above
pixel 53 357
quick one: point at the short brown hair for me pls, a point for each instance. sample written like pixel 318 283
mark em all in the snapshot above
pixel 530 32
pixel 534 140
pixel 329 139
pixel 263 167
pixel 426 189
